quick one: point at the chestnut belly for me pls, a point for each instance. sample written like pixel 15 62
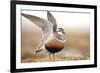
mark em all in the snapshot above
pixel 53 46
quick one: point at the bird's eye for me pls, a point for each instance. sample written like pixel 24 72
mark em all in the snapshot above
pixel 59 30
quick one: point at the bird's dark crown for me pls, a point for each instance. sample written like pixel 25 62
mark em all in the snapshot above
pixel 61 30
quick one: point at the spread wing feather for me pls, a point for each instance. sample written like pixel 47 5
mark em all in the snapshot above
pixel 52 20
pixel 45 25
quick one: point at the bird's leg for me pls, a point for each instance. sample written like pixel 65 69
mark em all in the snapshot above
pixel 53 57
pixel 50 56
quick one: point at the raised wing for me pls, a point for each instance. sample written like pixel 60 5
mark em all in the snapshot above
pixel 52 20
pixel 45 25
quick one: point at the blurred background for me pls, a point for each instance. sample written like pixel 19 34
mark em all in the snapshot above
pixel 77 45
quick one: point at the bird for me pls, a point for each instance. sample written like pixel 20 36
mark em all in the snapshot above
pixel 52 36
pixel 54 44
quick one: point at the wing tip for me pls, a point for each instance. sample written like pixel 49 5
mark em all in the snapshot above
pixel 23 14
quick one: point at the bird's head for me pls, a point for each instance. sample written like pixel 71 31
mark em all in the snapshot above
pixel 61 30
pixel 60 34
